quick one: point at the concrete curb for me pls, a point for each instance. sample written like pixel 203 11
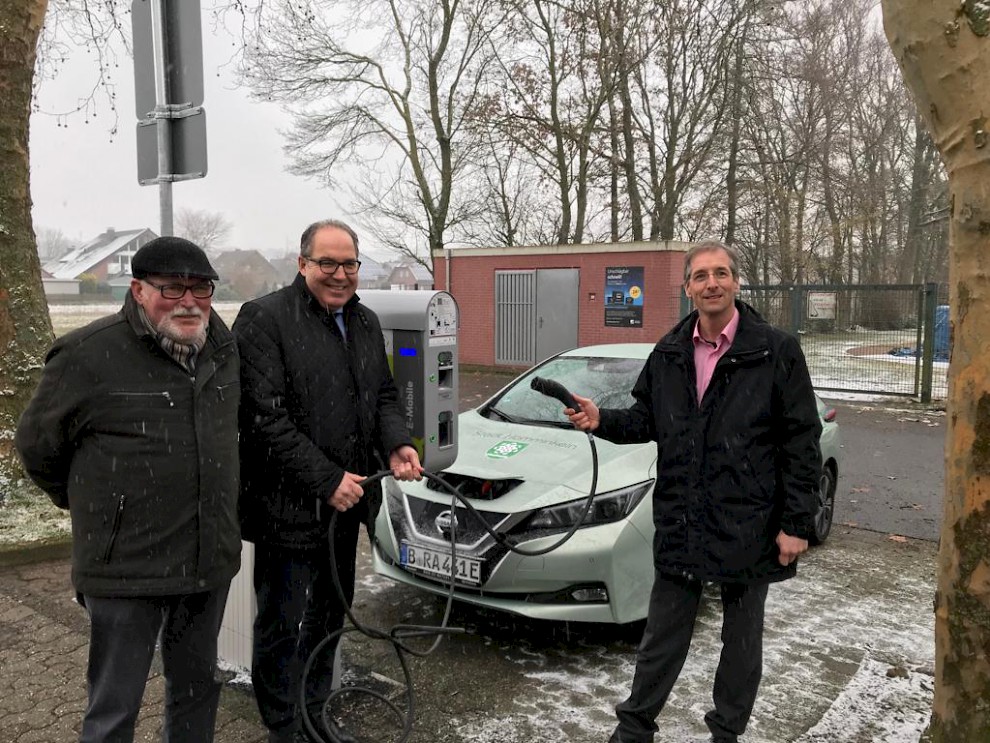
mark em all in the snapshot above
pixel 56 548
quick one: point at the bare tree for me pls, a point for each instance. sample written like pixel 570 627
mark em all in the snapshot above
pixel 209 230
pixel 923 214
pixel 379 108
pixel 511 211
pixel 943 47
pixel 557 75
pixel 681 102
pixel 52 243
pixel 25 328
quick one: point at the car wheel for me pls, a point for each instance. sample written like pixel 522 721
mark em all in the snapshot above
pixel 825 507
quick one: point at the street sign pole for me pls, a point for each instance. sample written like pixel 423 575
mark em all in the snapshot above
pixel 162 115
pixel 168 86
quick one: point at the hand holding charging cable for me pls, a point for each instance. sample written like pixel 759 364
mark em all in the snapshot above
pixel 556 390
pixel 585 415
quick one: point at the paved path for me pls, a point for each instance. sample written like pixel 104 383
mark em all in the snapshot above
pixel 849 656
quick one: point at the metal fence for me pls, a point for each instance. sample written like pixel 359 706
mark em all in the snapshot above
pixel 876 339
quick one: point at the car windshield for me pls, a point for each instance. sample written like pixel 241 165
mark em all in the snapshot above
pixel 607 381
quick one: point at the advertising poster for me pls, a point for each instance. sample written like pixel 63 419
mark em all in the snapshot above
pixel 624 296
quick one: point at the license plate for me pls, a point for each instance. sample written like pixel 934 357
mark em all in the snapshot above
pixel 438 562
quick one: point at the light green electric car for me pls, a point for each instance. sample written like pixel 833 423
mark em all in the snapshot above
pixel 528 472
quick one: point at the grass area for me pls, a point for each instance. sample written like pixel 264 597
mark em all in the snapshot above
pixel 28 518
pixel 66 317
pixel 862 361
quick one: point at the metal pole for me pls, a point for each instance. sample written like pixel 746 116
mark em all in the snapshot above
pixel 162 115
pixel 928 358
pixel 446 263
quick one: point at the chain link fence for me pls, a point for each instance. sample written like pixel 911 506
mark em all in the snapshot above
pixel 877 339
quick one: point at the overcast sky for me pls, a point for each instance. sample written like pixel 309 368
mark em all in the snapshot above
pixel 83 182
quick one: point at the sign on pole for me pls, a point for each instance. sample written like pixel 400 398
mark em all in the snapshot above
pixel 821 305
pixel 188 137
pixel 168 86
pixel 183 48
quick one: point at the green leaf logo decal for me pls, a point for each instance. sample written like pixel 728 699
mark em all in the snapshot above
pixel 505 449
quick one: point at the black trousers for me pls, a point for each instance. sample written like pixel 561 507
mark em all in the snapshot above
pixel 123 634
pixel 669 627
pixel 298 607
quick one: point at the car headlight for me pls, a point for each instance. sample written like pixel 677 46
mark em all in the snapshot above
pixel 605 508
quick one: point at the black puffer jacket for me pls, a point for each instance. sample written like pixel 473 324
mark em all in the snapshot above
pixel 312 408
pixel 736 470
pixel 143 456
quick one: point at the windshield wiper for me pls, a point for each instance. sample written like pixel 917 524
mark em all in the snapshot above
pixel 551 424
pixel 502 416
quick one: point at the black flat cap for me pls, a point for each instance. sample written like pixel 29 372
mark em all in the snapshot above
pixel 171 256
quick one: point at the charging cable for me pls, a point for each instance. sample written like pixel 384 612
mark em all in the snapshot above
pixel 400 633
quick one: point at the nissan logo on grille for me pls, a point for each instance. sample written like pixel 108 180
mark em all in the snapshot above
pixel 444 521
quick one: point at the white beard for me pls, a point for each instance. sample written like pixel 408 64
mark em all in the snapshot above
pixel 173 331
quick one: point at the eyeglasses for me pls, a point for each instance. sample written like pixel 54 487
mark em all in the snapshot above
pixel 178 291
pixel 720 275
pixel 330 267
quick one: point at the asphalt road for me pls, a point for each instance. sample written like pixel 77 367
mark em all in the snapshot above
pixel 893 469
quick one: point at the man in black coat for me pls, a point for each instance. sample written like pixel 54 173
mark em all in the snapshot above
pixel 729 401
pixel 319 413
pixel 133 428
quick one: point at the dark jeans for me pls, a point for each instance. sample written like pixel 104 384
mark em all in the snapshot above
pixel 298 607
pixel 664 647
pixel 123 634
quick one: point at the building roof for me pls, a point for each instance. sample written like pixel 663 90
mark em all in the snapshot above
pixel 229 261
pixel 86 256
pixel 646 246
pixel 420 271
pixel 372 270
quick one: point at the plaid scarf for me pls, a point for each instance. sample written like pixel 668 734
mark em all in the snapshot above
pixel 185 354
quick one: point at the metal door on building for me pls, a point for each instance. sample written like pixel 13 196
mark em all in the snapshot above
pixel 536 314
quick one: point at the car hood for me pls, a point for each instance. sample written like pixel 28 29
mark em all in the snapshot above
pixel 553 464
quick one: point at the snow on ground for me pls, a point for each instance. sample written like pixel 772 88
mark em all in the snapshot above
pixel 848 658
pixel 903 699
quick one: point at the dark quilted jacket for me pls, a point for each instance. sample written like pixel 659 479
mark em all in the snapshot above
pixel 312 407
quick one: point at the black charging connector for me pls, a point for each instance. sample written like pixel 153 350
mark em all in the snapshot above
pixel 556 390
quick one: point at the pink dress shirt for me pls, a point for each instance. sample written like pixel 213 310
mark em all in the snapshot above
pixel 706 355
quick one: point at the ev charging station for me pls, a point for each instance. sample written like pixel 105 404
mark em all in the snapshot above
pixel 420 330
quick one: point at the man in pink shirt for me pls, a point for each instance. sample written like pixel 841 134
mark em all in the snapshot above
pixel 728 399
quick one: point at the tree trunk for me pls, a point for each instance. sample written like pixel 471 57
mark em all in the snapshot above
pixel 921 176
pixel 735 133
pixel 944 52
pixel 25 328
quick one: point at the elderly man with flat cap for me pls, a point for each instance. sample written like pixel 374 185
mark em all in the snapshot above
pixel 133 429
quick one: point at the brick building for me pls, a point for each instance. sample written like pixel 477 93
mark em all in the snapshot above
pixel 520 305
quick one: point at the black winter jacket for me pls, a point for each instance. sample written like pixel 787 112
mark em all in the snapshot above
pixel 312 408
pixel 143 455
pixel 738 468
